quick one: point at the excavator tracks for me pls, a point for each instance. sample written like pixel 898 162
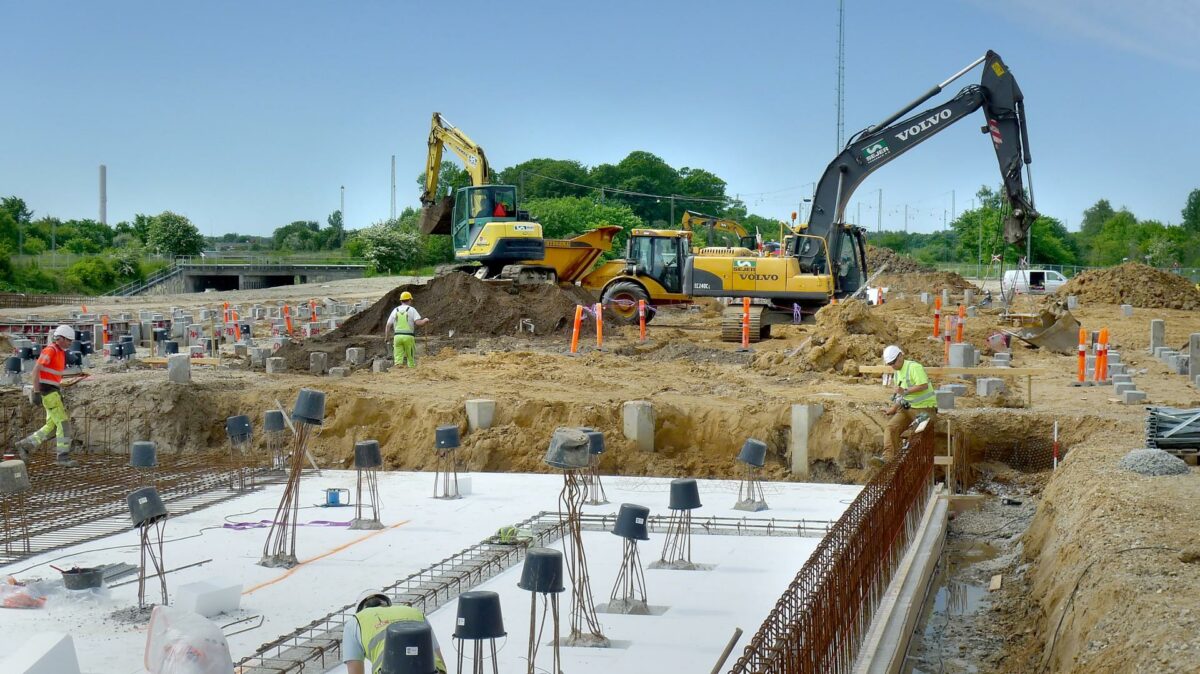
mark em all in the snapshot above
pixel 731 324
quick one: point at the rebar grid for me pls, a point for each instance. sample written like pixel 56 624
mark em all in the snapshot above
pixel 150 535
pixel 816 627
pixel 445 476
pixel 629 590
pixel 583 607
pixel 279 550
pixel 16 524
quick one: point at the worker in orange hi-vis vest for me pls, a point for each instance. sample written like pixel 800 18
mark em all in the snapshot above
pixel 47 389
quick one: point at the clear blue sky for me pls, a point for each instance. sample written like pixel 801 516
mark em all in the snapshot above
pixel 245 116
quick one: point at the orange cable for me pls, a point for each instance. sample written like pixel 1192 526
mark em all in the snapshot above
pixel 321 556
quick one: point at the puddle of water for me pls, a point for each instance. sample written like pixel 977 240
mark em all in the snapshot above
pixel 951 598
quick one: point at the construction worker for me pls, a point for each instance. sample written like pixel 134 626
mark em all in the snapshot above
pixel 47 389
pixel 363 638
pixel 401 326
pixel 914 395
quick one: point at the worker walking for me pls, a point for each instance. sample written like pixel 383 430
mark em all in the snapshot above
pixel 401 327
pixel 914 395
pixel 47 389
pixel 363 638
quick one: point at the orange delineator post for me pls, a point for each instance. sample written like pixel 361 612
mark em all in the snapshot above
pixel 1102 357
pixel 226 314
pixel 962 320
pixel 937 318
pixel 104 332
pixel 1082 355
pixel 599 326
pixel 287 318
pixel 745 323
pixel 946 349
pixel 575 329
pixel 642 320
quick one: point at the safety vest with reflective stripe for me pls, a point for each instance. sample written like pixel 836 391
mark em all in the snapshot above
pixel 403 327
pixel 53 361
pixel 911 374
pixel 372 630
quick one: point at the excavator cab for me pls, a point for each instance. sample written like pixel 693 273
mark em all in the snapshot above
pixel 486 227
pixel 659 255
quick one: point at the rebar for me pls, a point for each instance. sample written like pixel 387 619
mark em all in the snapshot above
pixel 280 547
pixel 750 490
pixel 629 591
pixel 240 478
pixel 549 609
pixel 593 488
pixel 477 656
pixel 677 548
pixel 445 477
pixel 583 608
pixel 16 525
pixel 150 535
pixel 370 478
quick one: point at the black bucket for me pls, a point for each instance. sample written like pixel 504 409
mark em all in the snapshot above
pixel 408 648
pixel 145 506
pixel 569 449
pixel 238 428
pixel 273 421
pixel 447 437
pixel 143 454
pixel 595 442
pixel 543 571
pixel 685 494
pixel 83 579
pixel 367 454
pixel 170 347
pixel 479 616
pixel 12 364
pixel 754 453
pixel 631 522
pixel 310 407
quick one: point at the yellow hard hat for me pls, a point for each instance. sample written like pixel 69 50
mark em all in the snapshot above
pixel 405 296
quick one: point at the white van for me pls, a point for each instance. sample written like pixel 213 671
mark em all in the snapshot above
pixel 1032 281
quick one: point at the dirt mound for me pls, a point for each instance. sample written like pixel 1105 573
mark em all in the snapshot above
pixel 924 282
pixel 896 263
pixel 1135 284
pixel 845 335
pixel 457 304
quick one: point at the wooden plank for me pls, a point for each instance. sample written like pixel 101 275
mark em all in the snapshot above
pixel 995 583
pixel 943 460
pixel 994 371
pixel 158 360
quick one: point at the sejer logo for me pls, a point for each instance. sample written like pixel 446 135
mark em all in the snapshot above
pixel 744 265
pixel 930 121
pixel 875 151
pixel 523 228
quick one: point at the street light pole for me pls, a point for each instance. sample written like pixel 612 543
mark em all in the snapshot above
pixel 342 212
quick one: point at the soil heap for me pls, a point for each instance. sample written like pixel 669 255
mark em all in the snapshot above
pixel 896 263
pixel 924 282
pixel 455 303
pixel 844 336
pixel 1135 284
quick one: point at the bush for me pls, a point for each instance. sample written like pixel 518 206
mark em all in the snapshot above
pixel 91 275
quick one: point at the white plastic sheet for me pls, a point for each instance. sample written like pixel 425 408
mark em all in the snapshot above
pixel 182 642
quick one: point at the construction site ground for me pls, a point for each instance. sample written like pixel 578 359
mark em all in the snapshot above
pixel 1099 565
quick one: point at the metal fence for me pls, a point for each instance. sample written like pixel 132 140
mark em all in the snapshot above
pixel 23 300
pixel 817 625
pixel 984 271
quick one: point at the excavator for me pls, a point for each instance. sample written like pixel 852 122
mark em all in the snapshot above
pixel 692 221
pixel 490 234
pixel 826 258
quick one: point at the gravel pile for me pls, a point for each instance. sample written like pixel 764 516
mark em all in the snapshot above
pixel 1153 462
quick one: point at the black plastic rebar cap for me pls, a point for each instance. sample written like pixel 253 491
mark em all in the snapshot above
pixel 171 347
pixel 310 407
pixel 754 453
pixel 685 494
pixel 543 571
pixel 367 454
pixel 145 507
pixel 26 353
pixel 14 477
pixel 12 364
pixel 273 421
pixel 569 449
pixel 238 428
pixel 479 616
pixel 447 437
pixel 143 454
pixel 408 648
pixel 595 441
pixel 631 522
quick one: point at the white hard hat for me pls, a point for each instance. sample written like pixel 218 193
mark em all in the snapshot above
pixel 890 354
pixel 65 331
pixel 363 597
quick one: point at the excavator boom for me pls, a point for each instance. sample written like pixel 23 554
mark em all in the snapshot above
pixel 436 213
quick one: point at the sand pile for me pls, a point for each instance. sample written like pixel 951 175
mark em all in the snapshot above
pixel 896 263
pixel 455 303
pixel 845 335
pixel 921 282
pixel 1136 284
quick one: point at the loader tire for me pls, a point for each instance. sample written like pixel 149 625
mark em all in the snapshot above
pixel 621 302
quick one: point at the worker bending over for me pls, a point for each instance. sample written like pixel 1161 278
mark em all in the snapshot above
pixel 402 327
pixel 914 395
pixel 364 636
pixel 47 389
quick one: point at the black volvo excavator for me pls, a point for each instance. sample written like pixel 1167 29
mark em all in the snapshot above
pixel 827 257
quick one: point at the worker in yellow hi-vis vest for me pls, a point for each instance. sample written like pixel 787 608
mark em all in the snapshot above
pixel 402 328
pixel 914 396
pixel 363 637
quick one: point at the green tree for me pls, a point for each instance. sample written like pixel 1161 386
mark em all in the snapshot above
pixel 1191 212
pixel 565 217
pixel 547 178
pixel 173 235
pixel 390 248
pixel 91 275
pixel 15 206
pixel 335 235
pixel 450 179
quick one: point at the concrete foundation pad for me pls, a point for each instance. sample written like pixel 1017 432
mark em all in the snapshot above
pixel 480 413
pixel 381 365
pixel 637 418
pixel 317 361
pixel 945 400
pixel 989 386
pixel 1120 389
pixel 339 372
pixel 1132 397
pixel 179 368
pixel 276 366
pixel 804 418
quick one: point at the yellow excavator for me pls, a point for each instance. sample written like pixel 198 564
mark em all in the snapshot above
pixel 490 234
pixel 826 257
pixel 746 243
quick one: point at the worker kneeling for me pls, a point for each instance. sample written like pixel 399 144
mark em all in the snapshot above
pixel 914 395
pixel 364 637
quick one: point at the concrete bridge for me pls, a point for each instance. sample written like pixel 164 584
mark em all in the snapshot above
pixel 193 275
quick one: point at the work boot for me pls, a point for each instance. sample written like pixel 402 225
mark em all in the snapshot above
pixel 65 461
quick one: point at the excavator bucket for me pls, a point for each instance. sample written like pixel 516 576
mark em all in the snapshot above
pixel 436 217
pixel 1058 332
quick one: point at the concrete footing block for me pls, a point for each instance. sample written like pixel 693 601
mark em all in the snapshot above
pixel 1072 302
pixel 804 418
pixel 276 366
pixel 1132 397
pixel 1158 334
pixel 44 653
pixel 1194 355
pixel 945 400
pixel 480 413
pixel 926 299
pixel 339 372
pixel 1121 388
pixel 381 365
pixel 956 389
pixel 356 355
pixel 961 355
pixel 209 598
pixel 179 368
pixel 1196 381
pixel 1126 310
pixel 1122 378
pixel 317 362
pixel 258 356
pixel 638 423
pixel 989 386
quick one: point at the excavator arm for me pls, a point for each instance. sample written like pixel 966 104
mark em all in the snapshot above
pixel 691 220
pixel 867 151
pixel 435 214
